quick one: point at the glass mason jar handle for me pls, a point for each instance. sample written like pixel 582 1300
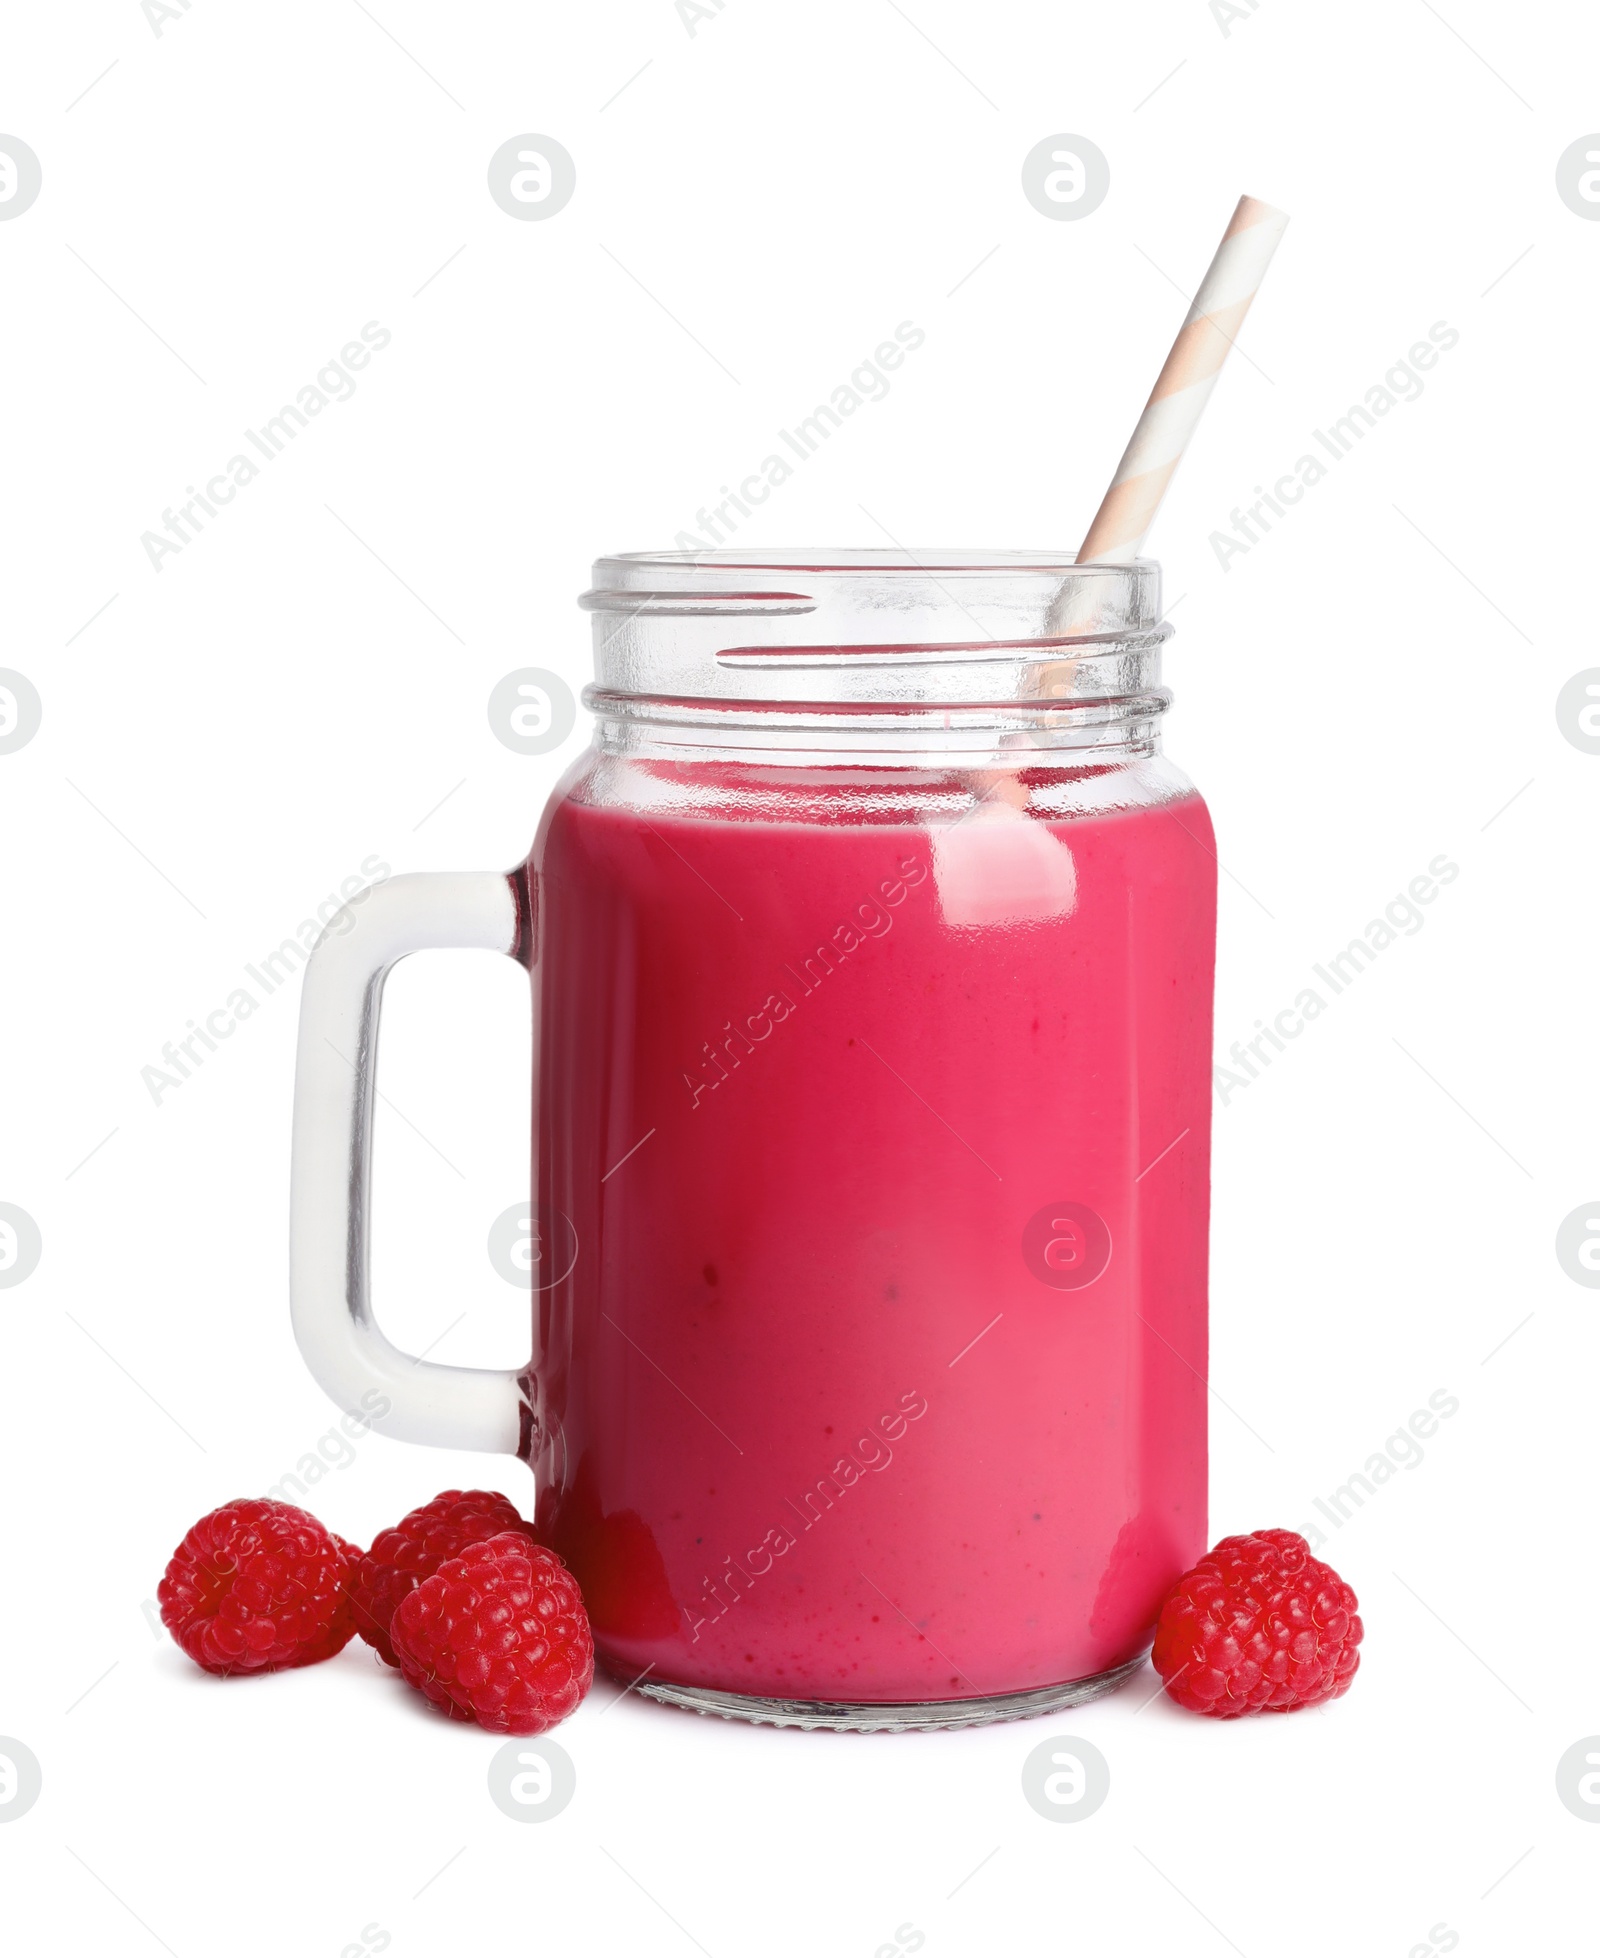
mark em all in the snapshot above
pixel 331 1174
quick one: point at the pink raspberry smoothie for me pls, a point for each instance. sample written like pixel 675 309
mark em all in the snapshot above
pixel 879 1373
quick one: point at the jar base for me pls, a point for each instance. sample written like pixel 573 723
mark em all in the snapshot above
pixel 889 1716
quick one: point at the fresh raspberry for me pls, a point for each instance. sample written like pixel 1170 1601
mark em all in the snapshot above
pixel 415 1548
pixel 498 1635
pixel 1258 1626
pixel 257 1586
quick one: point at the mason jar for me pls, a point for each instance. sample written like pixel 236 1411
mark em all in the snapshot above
pixel 871 944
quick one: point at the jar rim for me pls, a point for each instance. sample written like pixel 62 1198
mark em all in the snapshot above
pixel 616 567
pixel 877 628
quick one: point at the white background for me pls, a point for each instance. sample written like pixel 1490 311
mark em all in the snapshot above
pixel 1370 686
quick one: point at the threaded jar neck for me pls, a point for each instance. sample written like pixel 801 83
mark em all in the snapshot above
pixel 857 652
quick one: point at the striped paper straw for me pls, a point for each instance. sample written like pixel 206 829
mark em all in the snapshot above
pixel 1184 385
